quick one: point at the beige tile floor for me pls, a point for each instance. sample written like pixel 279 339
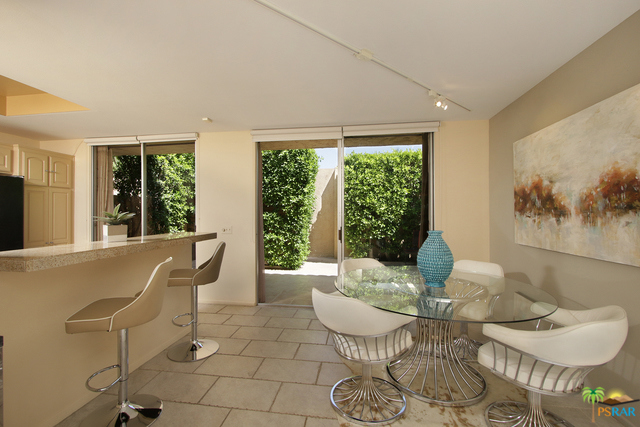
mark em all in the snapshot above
pixel 275 367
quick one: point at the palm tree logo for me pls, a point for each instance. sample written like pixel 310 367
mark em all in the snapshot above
pixel 593 395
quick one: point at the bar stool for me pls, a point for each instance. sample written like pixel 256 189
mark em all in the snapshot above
pixel 120 314
pixel 196 349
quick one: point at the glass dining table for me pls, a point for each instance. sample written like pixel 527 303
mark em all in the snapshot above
pixel 431 370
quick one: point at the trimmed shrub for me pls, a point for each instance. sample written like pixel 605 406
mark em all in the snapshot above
pixel 288 199
pixel 382 204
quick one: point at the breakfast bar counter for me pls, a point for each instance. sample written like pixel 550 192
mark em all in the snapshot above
pixel 35 259
pixel 44 368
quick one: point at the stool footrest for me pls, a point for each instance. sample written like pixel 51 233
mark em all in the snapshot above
pixel 182 325
pixel 95 374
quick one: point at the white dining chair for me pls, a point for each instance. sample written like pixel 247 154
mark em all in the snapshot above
pixel 466 347
pixel 364 334
pixel 359 263
pixel 553 361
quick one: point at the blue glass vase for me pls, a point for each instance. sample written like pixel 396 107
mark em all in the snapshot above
pixel 435 260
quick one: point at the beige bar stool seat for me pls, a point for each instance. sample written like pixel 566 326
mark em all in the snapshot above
pixel 120 314
pixel 196 349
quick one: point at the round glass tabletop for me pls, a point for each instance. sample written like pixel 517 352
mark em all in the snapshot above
pixel 467 297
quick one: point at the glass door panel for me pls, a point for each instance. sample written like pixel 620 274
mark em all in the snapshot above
pixel 382 197
pixel 170 188
pixel 125 187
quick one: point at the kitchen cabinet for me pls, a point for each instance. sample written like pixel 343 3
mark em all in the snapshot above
pixel 46 168
pixel 48 216
pixel 6 159
pixel 48 196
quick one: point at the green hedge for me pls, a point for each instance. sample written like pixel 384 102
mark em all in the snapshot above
pixel 170 191
pixel 288 198
pixel 382 203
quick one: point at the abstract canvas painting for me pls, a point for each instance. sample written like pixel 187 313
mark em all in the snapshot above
pixel 577 183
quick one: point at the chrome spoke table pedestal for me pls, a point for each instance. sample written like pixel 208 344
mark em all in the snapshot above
pixel 465 347
pixel 433 372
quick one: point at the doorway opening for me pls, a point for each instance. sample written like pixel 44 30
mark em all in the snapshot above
pixel 371 200
pixel 298 220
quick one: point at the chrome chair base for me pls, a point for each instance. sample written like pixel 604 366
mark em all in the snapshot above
pixel 367 401
pixel 511 414
pixel 138 411
pixel 192 351
pixel 466 348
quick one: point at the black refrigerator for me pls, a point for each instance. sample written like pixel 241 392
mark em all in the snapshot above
pixel 11 212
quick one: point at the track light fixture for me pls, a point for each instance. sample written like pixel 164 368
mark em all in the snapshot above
pixel 362 54
pixel 439 100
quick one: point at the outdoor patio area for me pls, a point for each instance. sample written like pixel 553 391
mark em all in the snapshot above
pixel 293 287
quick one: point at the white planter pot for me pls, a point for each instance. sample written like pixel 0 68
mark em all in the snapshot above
pixel 114 233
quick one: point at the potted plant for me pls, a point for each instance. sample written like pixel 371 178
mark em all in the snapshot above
pixel 113 229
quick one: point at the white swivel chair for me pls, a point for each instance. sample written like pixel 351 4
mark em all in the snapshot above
pixel 553 362
pixel 466 347
pixel 120 314
pixel 196 349
pixel 364 334
pixel 359 263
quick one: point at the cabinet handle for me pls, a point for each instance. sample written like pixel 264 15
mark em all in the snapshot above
pixel 50 171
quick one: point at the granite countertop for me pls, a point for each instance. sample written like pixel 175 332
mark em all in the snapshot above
pixel 35 259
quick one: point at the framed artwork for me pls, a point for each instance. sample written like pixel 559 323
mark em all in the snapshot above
pixel 577 183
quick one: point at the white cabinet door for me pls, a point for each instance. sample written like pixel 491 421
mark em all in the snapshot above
pixel 36 216
pixel 34 166
pixel 60 214
pixel 6 157
pixel 60 172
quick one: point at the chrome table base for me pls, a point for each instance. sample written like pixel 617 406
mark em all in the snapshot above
pixel 518 414
pixel 367 400
pixel 465 347
pixel 140 410
pixel 192 351
pixel 432 371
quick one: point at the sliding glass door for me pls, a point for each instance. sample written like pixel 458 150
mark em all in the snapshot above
pixel 373 195
pixel 155 181
pixel 382 197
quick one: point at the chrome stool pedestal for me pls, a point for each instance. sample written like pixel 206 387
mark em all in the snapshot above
pixel 195 349
pixel 130 411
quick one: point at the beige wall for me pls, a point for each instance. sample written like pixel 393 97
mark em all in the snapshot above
pixel 609 66
pixel 462 188
pixel 226 197
pixel 323 239
pixel 8 139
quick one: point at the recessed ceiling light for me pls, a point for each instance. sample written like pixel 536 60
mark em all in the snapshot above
pixel 207 119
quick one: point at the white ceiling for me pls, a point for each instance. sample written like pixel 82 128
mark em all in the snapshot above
pixel 160 66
